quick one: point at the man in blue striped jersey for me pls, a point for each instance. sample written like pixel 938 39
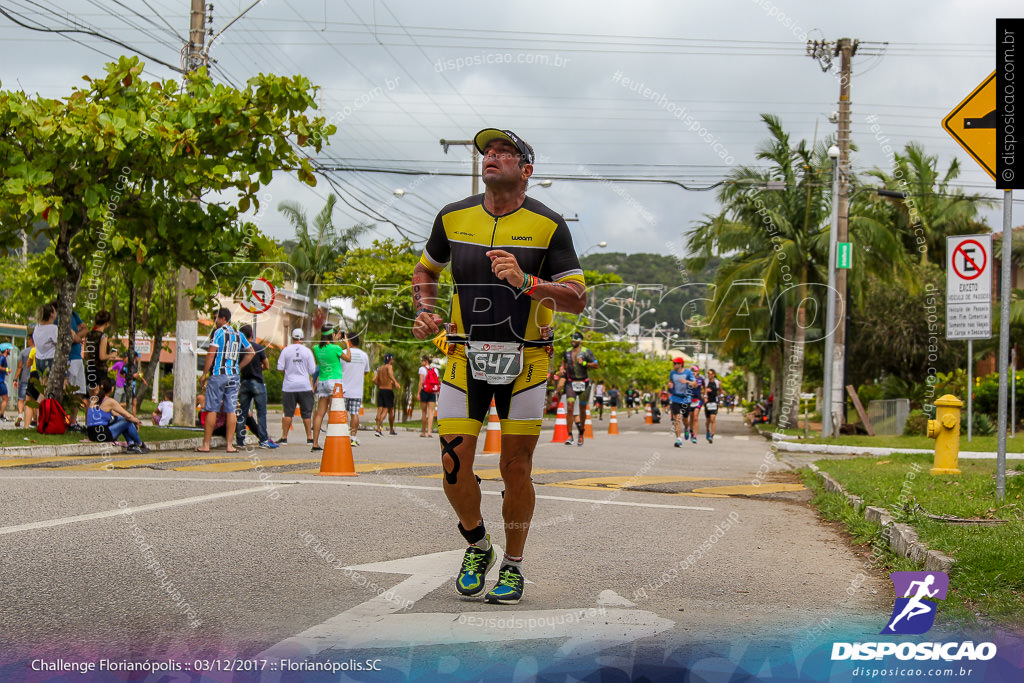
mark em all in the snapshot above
pixel 221 377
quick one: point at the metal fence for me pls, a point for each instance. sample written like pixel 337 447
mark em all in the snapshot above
pixel 889 416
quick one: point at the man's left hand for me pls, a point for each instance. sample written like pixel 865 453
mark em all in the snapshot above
pixel 505 267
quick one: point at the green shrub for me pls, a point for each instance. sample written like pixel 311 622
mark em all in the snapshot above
pixel 917 424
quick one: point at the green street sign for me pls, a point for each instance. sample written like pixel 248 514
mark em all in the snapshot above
pixel 844 255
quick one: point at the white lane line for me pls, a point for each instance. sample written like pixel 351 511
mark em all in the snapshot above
pixel 113 513
pixel 434 489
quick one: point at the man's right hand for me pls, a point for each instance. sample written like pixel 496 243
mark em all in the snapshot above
pixel 427 325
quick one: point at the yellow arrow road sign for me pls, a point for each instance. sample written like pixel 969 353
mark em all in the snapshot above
pixel 973 124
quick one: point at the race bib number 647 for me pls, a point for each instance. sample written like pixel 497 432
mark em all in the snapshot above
pixel 495 362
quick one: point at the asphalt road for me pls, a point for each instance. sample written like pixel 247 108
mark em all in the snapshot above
pixel 637 547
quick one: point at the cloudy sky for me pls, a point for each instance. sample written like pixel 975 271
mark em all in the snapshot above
pixel 569 77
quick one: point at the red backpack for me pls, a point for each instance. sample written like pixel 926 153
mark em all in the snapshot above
pixel 431 384
pixel 52 418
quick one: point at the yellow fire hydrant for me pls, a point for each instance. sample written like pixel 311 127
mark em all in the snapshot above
pixel 945 429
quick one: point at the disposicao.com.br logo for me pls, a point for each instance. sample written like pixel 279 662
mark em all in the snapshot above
pixel 914 614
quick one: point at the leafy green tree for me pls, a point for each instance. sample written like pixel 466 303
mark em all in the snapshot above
pixel 120 163
pixel 317 250
pixel 779 238
pixel 934 208
pixel 377 280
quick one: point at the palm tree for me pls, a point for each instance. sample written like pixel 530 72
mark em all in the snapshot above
pixel 317 251
pixel 932 209
pixel 780 238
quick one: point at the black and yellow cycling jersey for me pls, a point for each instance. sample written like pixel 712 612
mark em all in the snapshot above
pixel 485 308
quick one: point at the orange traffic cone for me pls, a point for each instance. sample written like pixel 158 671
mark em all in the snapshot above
pixel 613 424
pixel 362 411
pixel 296 416
pixel 561 428
pixel 588 426
pixel 649 418
pixel 337 459
pixel 492 444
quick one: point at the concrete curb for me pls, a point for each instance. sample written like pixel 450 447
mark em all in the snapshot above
pixel 902 539
pixel 83 449
pixel 878 452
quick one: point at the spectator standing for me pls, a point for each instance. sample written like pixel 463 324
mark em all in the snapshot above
pixel 298 365
pixel 76 368
pixel 429 385
pixel 4 369
pixel 386 385
pixel 96 351
pixel 224 357
pixel 21 379
pixel 253 390
pixel 353 377
pixel 329 356
pixel 45 337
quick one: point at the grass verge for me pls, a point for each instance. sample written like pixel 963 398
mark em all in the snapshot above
pixel 30 437
pixel 987 581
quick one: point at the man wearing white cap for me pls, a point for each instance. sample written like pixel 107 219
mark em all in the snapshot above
pixel 299 366
pixel 513 264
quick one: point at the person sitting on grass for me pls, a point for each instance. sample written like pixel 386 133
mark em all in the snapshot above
pixel 164 411
pixel 101 424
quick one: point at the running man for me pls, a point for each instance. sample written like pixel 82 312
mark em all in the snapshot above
pixel 513 264
pixel 578 360
pixel 712 395
pixel 680 385
pixel 696 400
pixel 915 606
pixel 386 385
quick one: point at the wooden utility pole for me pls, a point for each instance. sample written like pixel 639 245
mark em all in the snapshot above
pixel 825 52
pixel 186 330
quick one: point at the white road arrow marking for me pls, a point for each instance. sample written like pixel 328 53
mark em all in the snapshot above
pixel 376 623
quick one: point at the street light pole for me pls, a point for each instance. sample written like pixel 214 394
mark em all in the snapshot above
pixel 830 316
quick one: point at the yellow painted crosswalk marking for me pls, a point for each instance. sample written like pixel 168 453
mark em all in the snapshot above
pixel 242 465
pixel 748 490
pixel 617 482
pixel 365 467
pixel 21 462
pixel 126 463
pixel 494 474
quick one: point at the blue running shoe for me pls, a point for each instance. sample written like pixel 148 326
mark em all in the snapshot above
pixel 679 443
pixel 509 589
pixel 693 437
pixel 475 564
pixel 268 444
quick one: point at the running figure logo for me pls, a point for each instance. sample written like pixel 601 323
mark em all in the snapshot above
pixel 912 614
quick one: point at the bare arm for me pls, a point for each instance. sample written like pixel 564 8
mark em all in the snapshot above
pixel 569 297
pixel 250 353
pixel 114 407
pixel 424 298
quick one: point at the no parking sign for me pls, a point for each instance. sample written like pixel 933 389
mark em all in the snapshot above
pixel 260 296
pixel 969 287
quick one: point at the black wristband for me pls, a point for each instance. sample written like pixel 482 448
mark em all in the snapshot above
pixel 423 309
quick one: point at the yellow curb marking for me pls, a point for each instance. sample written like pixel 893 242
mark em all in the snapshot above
pixel 134 462
pixel 495 473
pixel 15 462
pixel 368 467
pixel 616 482
pixel 239 466
pixel 748 490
